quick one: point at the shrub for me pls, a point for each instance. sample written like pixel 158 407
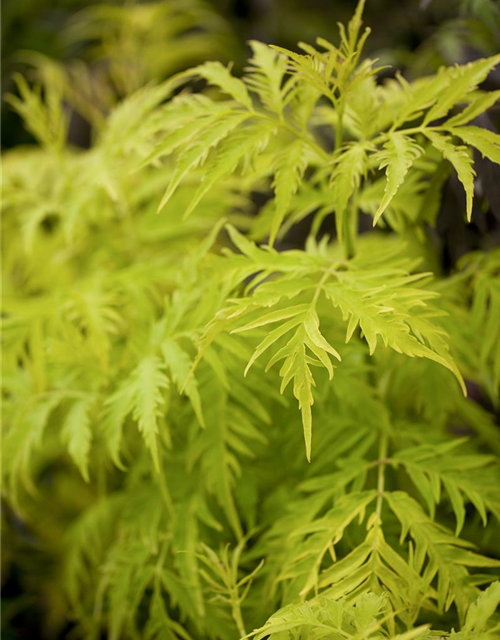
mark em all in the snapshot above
pixel 207 428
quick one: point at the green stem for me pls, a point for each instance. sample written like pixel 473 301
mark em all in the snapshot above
pixel 161 558
pixel 237 617
pixel 166 493
pixel 298 134
pixel 327 274
pixel 350 228
pixel 407 132
pixel 349 233
pixel 339 127
pixel 382 455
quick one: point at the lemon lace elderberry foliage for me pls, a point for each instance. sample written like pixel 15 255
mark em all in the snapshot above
pixel 477 283
pixel 269 104
pixel 325 618
pixel 153 363
pixel 308 552
pixel 379 300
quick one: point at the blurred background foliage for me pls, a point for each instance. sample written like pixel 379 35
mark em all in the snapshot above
pixel 139 41
pixel 108 50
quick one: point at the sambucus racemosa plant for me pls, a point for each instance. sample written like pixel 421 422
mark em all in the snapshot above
pixel 164 356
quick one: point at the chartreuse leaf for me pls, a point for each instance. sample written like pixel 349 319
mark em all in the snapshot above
pixel 129 578
pixel 196 114
pixel 464 477
pixel 399 153
pixel 319 538
pixel 85 543
pixel 345 179
pixel 461 80
pixel 240 145
pixel 485 316
pixel 447 557
pixel 24 438
pixel 92 310
pixel 77 433
pixel 197 153
pixel 116 408
pixel 220 573
pixel 304 319
pixel 325 617
pixel 141 394
pixel 384 311
pixel 289 172
pixel 47 121
pixel 353 27
pixel 160 625
pixel 480 613
pixel 179 363
pixel 186 538
pixel 478 106
pixel 375 565
pixel 228 436
pixel 485 141
pixel 420 95
pixel 149 384
pixel 461 162
pixel 221 77
pixel 265 76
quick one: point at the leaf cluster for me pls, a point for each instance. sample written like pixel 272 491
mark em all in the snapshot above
pixel 158 337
